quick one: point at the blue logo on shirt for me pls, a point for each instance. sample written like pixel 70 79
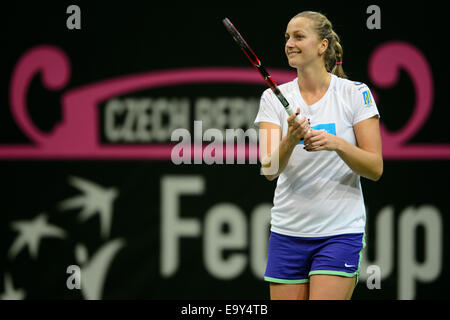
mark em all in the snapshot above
pixel 367 97
pixel 328 127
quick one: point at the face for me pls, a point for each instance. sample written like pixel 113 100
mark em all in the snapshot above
pixel 303 47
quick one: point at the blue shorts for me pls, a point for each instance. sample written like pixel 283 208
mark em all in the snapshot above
pixel 294 259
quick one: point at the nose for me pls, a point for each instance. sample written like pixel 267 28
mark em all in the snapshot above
pixel 289 43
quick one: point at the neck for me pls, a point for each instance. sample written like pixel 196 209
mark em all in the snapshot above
pixel 313 79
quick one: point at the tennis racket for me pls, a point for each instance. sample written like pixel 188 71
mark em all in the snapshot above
pixel 257 64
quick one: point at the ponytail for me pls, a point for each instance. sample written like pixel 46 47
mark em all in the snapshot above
pixel 339 53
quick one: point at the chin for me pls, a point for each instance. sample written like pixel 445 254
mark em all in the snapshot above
pixel 293 63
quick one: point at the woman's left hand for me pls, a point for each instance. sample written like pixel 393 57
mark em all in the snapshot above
pixel 317 140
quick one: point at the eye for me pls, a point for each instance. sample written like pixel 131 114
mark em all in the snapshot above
pixel 299 36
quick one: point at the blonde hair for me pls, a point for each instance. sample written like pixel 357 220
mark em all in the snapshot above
pixel 334 53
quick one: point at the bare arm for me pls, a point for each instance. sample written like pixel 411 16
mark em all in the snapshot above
pixel 276 151
pixel 365 159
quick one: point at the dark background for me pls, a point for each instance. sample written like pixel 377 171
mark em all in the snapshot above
pixel 127 38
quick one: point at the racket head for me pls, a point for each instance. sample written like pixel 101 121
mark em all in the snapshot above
pixel 256 63
pixel 241 42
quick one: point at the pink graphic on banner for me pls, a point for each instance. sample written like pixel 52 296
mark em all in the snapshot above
pixel 77 136
pixel 384 66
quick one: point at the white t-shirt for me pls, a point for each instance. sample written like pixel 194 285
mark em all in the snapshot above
pixel 318 194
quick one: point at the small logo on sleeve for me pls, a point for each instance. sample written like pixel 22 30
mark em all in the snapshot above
pixel 367 97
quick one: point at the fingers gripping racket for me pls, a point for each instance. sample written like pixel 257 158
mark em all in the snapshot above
pixel 257 64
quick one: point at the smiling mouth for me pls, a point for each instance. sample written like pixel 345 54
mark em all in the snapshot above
pixel 293 53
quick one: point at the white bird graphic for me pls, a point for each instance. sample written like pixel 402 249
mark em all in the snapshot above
pixel 94 200
pixel 30 234
pixel 9 292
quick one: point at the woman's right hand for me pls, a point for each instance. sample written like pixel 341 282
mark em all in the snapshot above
pixel 297 129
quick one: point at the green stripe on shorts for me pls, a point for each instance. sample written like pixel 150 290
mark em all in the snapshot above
pixel 286 281
pixel 334 273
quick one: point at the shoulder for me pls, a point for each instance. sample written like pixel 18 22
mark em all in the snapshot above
pixel 347 85
pixel 351 90
pixel 285 87
pixel 291 85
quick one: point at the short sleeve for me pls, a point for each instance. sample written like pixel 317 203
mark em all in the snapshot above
pixel 267 111
pixel 363 103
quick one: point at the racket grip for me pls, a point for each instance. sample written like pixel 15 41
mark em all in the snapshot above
pixel 291 110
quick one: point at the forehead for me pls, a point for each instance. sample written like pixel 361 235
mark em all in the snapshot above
pixel 300 24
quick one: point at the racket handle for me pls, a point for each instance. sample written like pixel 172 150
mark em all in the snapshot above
pixel 289 109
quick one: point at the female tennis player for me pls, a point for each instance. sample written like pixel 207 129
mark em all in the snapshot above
pixel 318 214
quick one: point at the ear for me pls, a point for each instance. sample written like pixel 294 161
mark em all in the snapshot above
pixel 323 46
